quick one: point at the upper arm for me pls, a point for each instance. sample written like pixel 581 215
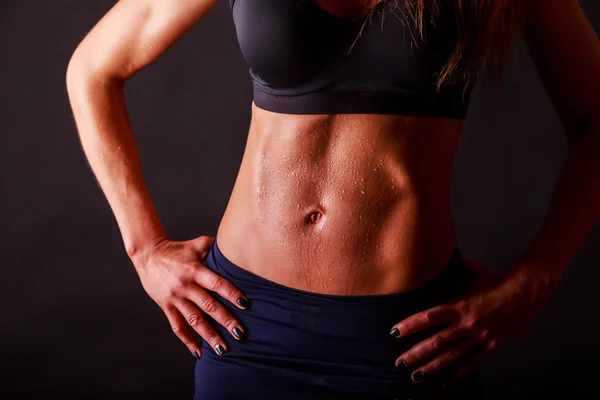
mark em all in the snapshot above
pixel 133 33
pixel 566 51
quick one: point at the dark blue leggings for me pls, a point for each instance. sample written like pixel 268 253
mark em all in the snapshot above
pixel 310 346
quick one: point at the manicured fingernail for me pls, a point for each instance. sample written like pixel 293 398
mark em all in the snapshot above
pixel 401 364
pixel 237 332
pixel 220 349
pixel 243 302
pixel 395 332
pixel 196 354
pixel 418 376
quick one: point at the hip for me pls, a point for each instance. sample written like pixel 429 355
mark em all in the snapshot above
pixel 301 344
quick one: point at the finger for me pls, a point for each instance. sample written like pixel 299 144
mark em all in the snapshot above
pixel 435 344
pixel 179 327
pixel 451 356
pixel 198 322
pixel 216 310
pixel 433 316
pixel 468 366
pixel 208 279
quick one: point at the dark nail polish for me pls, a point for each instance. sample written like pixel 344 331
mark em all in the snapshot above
pixel 242 302
pixel 196 354
pixel 401 364
pixel 418 376
pixel 237 332
pixel 220 349
pixel 395 332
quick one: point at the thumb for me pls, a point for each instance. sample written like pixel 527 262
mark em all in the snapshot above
pixel 202 245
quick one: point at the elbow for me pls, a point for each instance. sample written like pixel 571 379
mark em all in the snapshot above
pixel 83 72
pixel 79 73
pixel 74 72
pixel 77 82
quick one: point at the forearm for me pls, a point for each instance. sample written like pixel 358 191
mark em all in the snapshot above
pixel 572 214
pixel 108 142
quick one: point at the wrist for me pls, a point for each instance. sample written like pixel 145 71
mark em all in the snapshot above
pixel 139 250
pixel 532 281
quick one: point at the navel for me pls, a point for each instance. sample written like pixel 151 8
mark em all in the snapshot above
pixel 315 216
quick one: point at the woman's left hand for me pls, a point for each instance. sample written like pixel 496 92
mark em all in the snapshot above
pixel 495 309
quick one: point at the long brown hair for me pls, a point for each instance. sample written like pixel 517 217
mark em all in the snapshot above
pixel 487 30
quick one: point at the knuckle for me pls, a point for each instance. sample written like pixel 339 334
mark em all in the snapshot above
pixel 209 305
pixel 436 342
pixel 189 344
pixel 176 287
pixel 429 317
pixel 485 333
pixel 215 282
pixel 194 320
pixel 187 270
pixel 229 322
pixel 211 338
pixel 177 330
pixel 179 271
pixel 463 307
pixel 471 323
pixel 234 294
pixel 454 353
pixel 171 293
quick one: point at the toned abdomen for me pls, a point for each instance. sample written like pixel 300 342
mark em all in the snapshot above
pixel 343 204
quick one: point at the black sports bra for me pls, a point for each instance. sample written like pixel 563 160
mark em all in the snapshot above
pixel 304 60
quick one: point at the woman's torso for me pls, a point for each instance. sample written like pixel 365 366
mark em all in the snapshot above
pixel 343 203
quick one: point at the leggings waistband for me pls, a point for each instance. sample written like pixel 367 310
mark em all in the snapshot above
pixel 444 283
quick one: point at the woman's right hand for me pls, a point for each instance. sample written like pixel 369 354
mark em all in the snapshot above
pixel 175 278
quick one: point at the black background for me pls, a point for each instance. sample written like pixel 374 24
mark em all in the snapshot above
pixel 74 319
